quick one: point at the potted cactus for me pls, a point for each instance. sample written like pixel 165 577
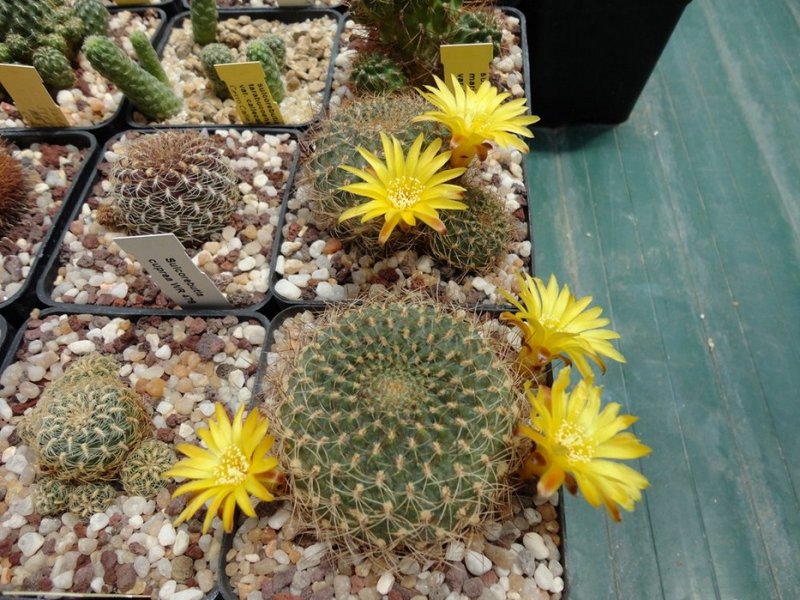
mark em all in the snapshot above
pixel 97 518
pixel 49 37
pixel 147 183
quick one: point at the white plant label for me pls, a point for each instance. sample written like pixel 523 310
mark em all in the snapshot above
pixel 164 258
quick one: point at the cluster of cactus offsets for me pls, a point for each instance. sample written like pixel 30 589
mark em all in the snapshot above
pixel 141 473
pixel 172 182
pixel 476 237
pixel 376 73
pixel 151 96
pixel 395 427
pixel 335 141
pixel 15 197
pixel 216 54
pixel 82 430
pixel 260 51
pixel 204 17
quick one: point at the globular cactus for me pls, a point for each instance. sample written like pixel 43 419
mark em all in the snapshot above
pixel 92 367
pixel 83 430
pixel 175 182
pixel 53 67
pixel 93 15
pixel 141 473
pixel 477 237
pixel 5 53
pixel 19 47
pixel 204 16
pixel 259 51
pixel 216 54
pixel 51 496
pixel 278 47
pixel 477 27
pixel 55 41
pixel 72 31
pixel 15 197
pixel 152 97
pixel 376 73
pixel 88 499
pixel 147 56
pixel 394 425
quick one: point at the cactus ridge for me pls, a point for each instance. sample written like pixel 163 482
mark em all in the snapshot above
pixel 173 182
pixel 395 428
pixel 141 473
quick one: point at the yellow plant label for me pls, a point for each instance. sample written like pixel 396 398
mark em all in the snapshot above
pixel 248 87
pixel 468 62
pixel 30 96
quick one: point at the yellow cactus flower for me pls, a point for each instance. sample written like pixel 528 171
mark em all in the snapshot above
pixel 477 118
pixel 554 324
pixel 234 466
pixel 574 440
pixel 404 188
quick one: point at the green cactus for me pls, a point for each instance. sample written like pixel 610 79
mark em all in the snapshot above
pixel 93 15
pixel 376 73
pixel 19 47
pixel 56 41
pixel 172 182
pixel 92 367
pixel 91 498
pixel 53 67
pixel 259 51
pixel 141 473
pixel 83 429
pixel 204 17
pixel 5 53
pixel 476 27
pixel 72 32
pixel 153 98
pixel 278 47
pixel 335 141
pixel 476 237
pixel 395 427
pixel 147 56
pixel 29 18
pixel 216 54
pixel 51 496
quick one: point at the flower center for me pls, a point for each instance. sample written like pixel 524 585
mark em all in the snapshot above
pixel 404 191
pixel 232 467
pixel 576 446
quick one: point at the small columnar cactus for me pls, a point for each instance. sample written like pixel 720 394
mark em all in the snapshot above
pixel 278 47
pixel 15 196
pixel 216 54
pixel 204 17
pixel 88 499
pixel 259 51
pixel 175 182
pixel 53 67
pixel 51 496
pixel 395 427
pixel 93 15
pixel 141 475
pixel 147 56
pixel 376 73
pixel 82 430
pixel 152 97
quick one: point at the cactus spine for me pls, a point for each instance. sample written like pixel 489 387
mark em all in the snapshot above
pixel 141 473
pixel 259 51
pixel 216 54
pixel 154 99
pixel 53 67
pixel 147 57
pixel 204 17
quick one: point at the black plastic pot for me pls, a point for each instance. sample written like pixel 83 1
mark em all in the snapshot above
pixel 15 304
pixel 45 283
pixel 5 333
pixel 9 356
pixel 136 120
pixel 590 59
pixel 111 125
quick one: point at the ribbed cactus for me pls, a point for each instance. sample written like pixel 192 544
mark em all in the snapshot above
pixel 147 56
pixel 15 196
pixel 82 430
pixel 476 237
pixel 394 425
pixel 174 182
pixel 259 51
pixel 216 54
pixel 204 17
pixel 476 27
pixel 94 16
pixel 51 496
pixel 376 73
pixel 153 98
pixel 278 47
pixel 53 67
pixel 141 473
pixel 90 498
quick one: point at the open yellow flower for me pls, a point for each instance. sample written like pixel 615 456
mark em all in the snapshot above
pixel 404 188
pixel 574 440
pixel 555 324
pixel 476 118
pixel 234 466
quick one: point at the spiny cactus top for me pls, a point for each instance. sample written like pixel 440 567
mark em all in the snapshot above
pixel 395 427
pixel 174 182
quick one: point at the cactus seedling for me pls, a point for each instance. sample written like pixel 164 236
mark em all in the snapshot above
pixel 216 54
pixel 204 17
pixel 259 51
